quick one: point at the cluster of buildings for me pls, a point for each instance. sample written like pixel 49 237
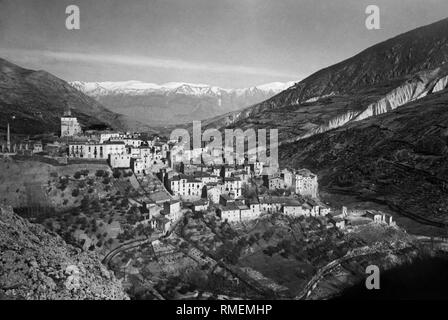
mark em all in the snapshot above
pixel 24 147
pixel 218 187
pixel 121 150
pixel 302 181
pixel 215 187
pixel 207 182
pixel 349 218
pixel 161 216
pixel 244 210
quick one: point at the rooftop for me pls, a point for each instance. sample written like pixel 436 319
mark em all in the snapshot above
pixel 230 207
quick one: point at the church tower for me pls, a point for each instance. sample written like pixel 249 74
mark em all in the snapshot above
pixel 69 125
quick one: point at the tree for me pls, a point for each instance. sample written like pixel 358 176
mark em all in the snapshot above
pixel 116 174
pixel 182 168
pixel 99 173
pixel 75 193
pixel 85 203
pixel 124 202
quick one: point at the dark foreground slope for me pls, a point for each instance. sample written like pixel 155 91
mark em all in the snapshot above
pixel 37 264
pixel 38 99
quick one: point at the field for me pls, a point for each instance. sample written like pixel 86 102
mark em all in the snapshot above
pixel 87 204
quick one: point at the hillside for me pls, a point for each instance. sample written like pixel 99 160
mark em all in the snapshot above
pixel 398 158
pixel 374 127
pixel 38 99
pixel 174 102
pixel 377 80
pixel 38 264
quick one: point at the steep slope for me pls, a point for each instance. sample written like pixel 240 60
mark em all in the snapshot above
pixel 399 158
pixel 375 81
pixel 421 49
pixel 38 99
pixel 175 102
pixel 37 264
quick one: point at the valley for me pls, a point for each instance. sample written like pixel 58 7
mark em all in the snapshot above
pixel 174 103
pixel 90 171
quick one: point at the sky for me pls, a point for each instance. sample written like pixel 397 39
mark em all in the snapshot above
pixel 227 43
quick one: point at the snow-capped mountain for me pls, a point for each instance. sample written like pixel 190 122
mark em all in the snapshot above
pixel 175 102
pixel 134 87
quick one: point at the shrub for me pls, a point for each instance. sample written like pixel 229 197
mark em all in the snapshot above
pixel 99 173
pixel 62 186
pixel 124 202
pixel 77 175
pixel 116 174
pixel 106 180
pixel 85 203
pixel 75 193
pixel 431 146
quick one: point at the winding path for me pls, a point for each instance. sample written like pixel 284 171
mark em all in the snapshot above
pixel 356 253
pixel 124 247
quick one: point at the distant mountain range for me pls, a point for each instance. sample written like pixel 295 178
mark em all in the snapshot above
pixel 175 102
pixel 37 100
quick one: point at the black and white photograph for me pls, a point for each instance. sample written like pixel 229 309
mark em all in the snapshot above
pixel 216 157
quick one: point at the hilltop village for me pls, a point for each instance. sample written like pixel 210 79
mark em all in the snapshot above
pixel 114 192
pixel 234 192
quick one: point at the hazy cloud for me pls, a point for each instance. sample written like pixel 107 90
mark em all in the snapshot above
pixel 142 61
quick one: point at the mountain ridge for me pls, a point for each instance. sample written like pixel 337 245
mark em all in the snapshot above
pixel 175 102
pixel 376 80
pixel 139 87
pixel 37 100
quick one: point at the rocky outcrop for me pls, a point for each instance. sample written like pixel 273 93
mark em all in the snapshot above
pixel 37 264
pixel 419 86
pixel 441 84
